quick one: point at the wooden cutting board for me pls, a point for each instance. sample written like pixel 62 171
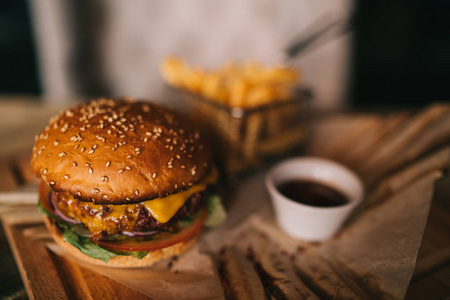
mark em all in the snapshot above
pixel 49 276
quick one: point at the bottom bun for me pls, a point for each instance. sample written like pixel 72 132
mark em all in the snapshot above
pixel 121 261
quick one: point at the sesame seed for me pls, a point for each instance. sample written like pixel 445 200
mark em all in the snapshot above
pixel 137 149
pixel 178 156
pixel 146 139
pixel 108 163
pixel 182 166
pixel 82 149
pixel 95 146
pixel 56 143
pixel 96 190
pixel 170 166
pixel 79 194
pixel 52 182
pixel 65 128
pixel 154 175
pixel 87 164
pixel 62 154
pixel 136 192
pixel 45 171
pixel 176 186
pixel 128 198
pixel 105 196
pixel 128 168
pixel 77 146
pixel 74 164
pixel 91 151
pixel 121 171
pixel 66 176
pixel 104 178
pixel 91 171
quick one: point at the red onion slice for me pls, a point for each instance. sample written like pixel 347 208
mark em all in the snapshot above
pixel 139 233
pixel 59 213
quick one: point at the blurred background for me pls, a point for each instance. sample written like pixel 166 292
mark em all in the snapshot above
pixel 398 53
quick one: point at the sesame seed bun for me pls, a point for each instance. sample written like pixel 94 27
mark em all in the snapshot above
pixel 119 152
pixel 120 261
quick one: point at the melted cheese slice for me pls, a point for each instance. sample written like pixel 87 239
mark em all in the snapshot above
pixel 163 209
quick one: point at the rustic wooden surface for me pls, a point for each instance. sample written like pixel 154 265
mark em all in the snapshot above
pixel 46 274
pixel 30 267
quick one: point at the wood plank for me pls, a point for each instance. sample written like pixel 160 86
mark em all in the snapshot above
pixel 35 265
pixel 11 282
pixel 8 181
pixel 82 283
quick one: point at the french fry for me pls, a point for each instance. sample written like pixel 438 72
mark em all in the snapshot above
pixel 245 85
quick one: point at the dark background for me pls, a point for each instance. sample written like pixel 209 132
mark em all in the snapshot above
pixel 401 52
pixel 18 58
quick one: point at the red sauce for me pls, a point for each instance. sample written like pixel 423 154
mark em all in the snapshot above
pixel 312 193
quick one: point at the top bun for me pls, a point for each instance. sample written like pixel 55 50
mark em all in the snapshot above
pixel 118 152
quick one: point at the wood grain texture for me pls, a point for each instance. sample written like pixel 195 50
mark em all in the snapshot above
pixel 49 276
pixel 39 276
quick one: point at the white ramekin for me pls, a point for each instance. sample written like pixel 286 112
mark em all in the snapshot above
pixel 310 222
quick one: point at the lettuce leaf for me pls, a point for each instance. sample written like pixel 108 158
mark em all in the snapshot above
pixel 86 246
pixel 93 250
pixel 216 212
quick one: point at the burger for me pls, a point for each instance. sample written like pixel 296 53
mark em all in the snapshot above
pixel 124 183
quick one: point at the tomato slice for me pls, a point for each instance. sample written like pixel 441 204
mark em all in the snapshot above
pixel 159 241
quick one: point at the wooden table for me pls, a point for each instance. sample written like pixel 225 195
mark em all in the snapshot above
pixel 21 119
